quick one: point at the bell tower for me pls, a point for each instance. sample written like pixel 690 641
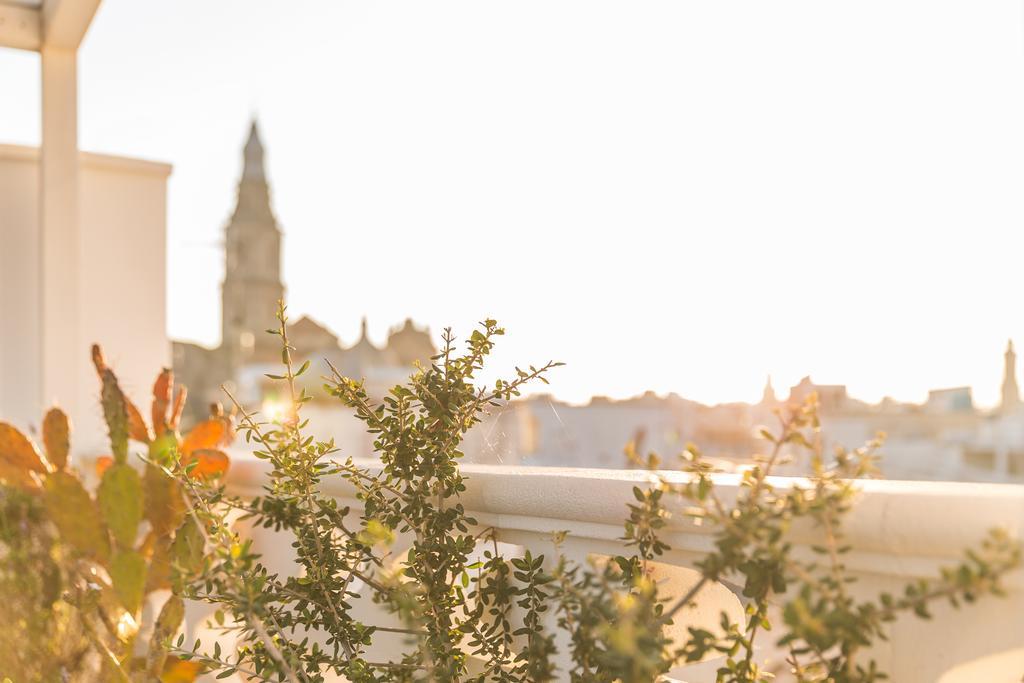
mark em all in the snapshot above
pixel 252 275
pixel 1011 394
pixel 768 395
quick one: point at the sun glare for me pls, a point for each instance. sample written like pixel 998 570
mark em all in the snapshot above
pixel 276 410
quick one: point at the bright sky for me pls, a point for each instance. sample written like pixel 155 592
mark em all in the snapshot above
pixel 677 196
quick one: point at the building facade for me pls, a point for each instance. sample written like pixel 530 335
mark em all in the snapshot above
pixel 250 294
pixel 947 437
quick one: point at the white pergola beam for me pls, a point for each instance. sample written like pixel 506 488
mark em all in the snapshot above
pixel 59 230
pixel 66 21
pixel 21 28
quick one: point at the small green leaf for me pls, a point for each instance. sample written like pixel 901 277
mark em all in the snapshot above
pixel 115 413
pixel 75 515
pixel 187 548
pixel 57 437
pixel 128 574
pixel 120 501
pixel 164 506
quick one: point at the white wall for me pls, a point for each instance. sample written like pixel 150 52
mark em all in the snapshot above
pixel 121 286
pixel 899 532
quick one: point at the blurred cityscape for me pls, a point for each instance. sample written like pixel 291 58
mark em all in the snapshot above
pixel 945 438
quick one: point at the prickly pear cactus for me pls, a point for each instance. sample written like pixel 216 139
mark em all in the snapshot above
pixel 105 554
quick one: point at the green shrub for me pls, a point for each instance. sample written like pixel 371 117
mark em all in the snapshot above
pixel 40 639
pixel 491 619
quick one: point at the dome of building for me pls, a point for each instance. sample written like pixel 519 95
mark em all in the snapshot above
pixel 410 344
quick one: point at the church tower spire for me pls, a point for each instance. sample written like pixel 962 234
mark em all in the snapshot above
pixel 1011 394
pixel 252 277
pixel 253 203
pixel 768 395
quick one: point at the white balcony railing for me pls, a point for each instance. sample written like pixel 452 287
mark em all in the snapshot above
pixel 900 531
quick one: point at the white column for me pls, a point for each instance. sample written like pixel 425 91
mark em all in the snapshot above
pixel 20 327
pixel 59 233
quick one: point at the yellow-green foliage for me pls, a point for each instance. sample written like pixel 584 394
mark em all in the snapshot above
pixel 76 568
pixel 470 613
